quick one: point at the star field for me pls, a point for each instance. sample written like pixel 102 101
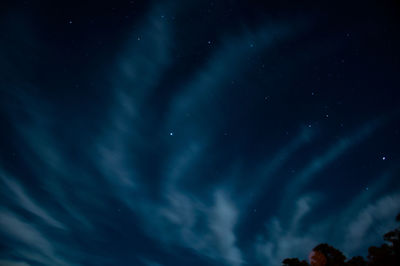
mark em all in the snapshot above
pixel 196 132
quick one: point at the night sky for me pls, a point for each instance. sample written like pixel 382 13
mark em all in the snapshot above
pixel 196 132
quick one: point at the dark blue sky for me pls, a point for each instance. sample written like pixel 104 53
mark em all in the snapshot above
pixel 196 132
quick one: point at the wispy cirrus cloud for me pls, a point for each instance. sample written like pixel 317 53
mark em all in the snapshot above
pixel 24 200
pixel 13 263
pixel 28 242
pixel 321 162
pixel 372 221
pixel 279 242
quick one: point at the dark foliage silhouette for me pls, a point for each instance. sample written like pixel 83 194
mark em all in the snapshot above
pixel 388 254
pixel 357 261
pixel 294 262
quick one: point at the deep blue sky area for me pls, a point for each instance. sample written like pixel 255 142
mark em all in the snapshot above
pixel 196 132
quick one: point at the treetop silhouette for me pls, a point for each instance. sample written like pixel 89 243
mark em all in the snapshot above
pixel 388 254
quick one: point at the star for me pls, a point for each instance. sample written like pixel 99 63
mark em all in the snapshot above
pixel 383 158
pixel 70 21
pixel 171 133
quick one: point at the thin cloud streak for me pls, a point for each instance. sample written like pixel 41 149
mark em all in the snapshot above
pixel 27 203
pixel 32 240
pixel 321 162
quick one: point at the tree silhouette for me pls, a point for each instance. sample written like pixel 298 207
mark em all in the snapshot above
pixel 317 258
pixel 357 261
pixel 294 262
pixel 333 256
pixel 326 255
pixel 386 254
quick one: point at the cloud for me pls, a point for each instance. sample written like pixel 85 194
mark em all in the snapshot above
pixel 270 166
pixel 373 220
pixel 150 262
pixel 28 203
pixel 319 163
pixel 28 240
pixel 140 67
pixel 13 263
pixel 181 162
pixel 200 95
pixel 279 242
pixel 222 219
pixel 358 202
pixel 189 221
